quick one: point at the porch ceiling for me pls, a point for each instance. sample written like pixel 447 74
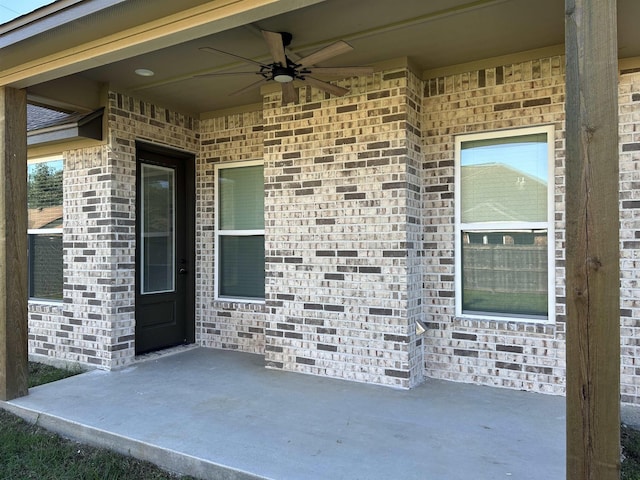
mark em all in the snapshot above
pixel 433 34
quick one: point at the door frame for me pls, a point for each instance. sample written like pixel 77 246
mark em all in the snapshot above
pixel 190 222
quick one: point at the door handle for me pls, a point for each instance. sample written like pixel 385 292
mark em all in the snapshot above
pixel 182 271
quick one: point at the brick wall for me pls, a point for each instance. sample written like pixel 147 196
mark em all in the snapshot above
pixel 48 339
pixel 228 325
pixel 359 231
pixel 340 181
pixel 500 353
pixel 79 329
pixel 414 224
pixel 96 322
pixel 90 238
pixel 132 120
pixel 629 108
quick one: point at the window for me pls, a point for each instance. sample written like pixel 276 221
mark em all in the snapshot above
pixel 504 224
pixel 44 203
pixel 240 231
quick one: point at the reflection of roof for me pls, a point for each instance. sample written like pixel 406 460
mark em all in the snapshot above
pixel 47 125
pixel 497 192
pixel 41 117
pixel 45 217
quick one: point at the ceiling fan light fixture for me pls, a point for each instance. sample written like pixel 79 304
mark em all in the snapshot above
pixel 283 74
pixel 283 78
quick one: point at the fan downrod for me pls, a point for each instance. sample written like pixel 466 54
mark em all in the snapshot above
pixel 286 38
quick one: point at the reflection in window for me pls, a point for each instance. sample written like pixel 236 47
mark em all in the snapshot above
pixel 504 180
pixel 45 218
pixel 505 272
pixel 503 224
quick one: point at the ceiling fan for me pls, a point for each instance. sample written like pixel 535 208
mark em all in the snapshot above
pixel 285 71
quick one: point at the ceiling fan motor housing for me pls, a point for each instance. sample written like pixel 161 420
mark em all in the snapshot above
pixel 283 74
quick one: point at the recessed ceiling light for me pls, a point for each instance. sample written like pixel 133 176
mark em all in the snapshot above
pixel 145 72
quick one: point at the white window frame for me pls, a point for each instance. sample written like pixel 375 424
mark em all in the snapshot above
pixel 219 233
pixel 549 130
pixel 44 231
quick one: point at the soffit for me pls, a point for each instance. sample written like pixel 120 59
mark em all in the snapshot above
pixel 431 34
pixel 21 69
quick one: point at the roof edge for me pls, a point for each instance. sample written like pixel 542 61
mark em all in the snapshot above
pixel 89 126
pixel 49 17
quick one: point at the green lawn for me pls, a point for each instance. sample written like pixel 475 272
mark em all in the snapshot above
pixel 39 373
pixel 30 452
pixel 630 440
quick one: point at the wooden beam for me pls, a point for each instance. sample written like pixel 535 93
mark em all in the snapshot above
pixel 592 263
pixel 13 244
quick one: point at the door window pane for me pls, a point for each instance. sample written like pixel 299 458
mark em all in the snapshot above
pixel 158 229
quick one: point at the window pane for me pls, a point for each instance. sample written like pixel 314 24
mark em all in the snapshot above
pixel 504 179
pixel 505 272
pixel 241 198
pixel 45 266
pixel 44 194
pixel 241 269
pixel 158 235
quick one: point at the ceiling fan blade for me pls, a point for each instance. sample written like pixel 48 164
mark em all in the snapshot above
pixel 251 86
pixel 327 87
pixel 342 71
pixel 276 47
pixel 215 50
pixel 337 48
pixel 223 74
pixel 289 94
pixel 291 55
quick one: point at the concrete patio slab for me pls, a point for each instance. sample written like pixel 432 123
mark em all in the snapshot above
pixel 221 415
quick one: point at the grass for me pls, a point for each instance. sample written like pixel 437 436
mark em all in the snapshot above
pixel 30 452
pixel 39 373
pixel 630 440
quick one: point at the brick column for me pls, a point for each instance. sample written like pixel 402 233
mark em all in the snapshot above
pixel 342 231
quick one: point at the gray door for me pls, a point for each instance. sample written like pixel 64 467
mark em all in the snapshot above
pixel 164 252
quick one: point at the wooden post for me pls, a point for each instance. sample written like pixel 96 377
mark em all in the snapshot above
pixel 13 244
pixel 593 251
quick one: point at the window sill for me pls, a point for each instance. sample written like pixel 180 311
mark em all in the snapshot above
pixel 35 305
pixel 239 304
pixel 44 301
pixel 505 318
pixel 528 325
